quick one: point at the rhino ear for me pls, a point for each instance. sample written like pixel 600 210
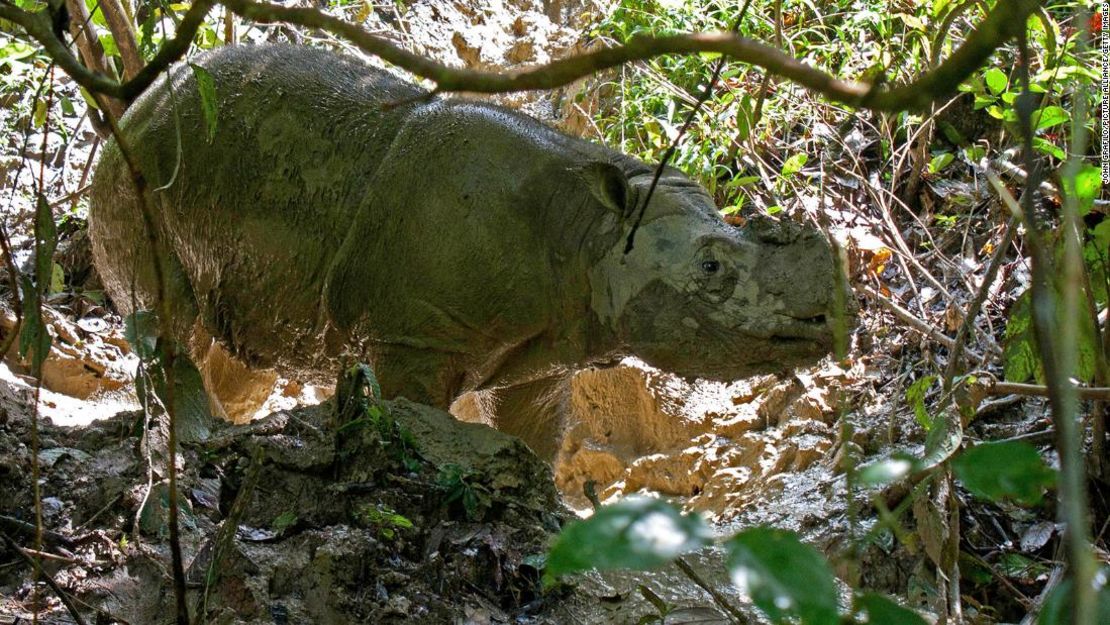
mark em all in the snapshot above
pixel 608 184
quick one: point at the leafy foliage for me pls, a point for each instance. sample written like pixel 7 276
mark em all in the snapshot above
pixel 785 578
pixel 1005 470
pixel 637 533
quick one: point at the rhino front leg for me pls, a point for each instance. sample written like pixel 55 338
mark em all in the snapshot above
pixel 418 374
pixel 533 412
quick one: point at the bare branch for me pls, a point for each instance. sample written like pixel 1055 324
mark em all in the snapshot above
pixel 38 27
pixel 1003 23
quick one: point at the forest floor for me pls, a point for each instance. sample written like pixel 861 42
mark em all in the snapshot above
pixel 425 519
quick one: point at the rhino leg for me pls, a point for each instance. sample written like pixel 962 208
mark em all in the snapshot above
pixel 418 374
pixel 533 412
pixel 235 391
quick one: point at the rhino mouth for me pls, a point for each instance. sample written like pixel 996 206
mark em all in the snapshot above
pixel 793 330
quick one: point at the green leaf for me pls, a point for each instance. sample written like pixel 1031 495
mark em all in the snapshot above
pixel 1045 146
pixel 876 609
pixel 1007 470
pixel 140 328
pixel 974 154
pixel 57 280
pixel 942 441
pixel 1019 353
pixel 1021 358
pixel 38 119
pixel 637 533
pixel 915 397
pixel 794 164
pixel 883 472
pixel 34 337
pixel 284 521
pixel 784 577
pixel 190 401
pixel 206 85
pixel 983 101
pixel 940 161
pixel 1084 187
pixel 996 80
pixel 1049 116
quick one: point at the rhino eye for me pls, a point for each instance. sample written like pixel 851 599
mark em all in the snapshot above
pixel 710 266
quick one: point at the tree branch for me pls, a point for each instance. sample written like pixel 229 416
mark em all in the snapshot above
pixel 1001 24
pixel 38 27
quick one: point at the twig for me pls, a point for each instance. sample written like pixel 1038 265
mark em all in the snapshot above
pixel 1058 360
pixel 169 355
pixel 1087 393
pixel 1004 22
pixel 917 324
pixel 678 138
pixel 99 512
pixel 46 576
pixel 15 526
pixel 718 598
pixel 977 303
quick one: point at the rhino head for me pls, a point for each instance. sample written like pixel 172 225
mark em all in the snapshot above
pixel 702 298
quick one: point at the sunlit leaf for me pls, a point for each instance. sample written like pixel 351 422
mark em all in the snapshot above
pixel 886 471
pixel 996 80
pixel 1049 116
pixel 636 533
pixel 1084 187
pixel 915 397
pixel 206 86
pixel 794 164
pixel 785 578
pixel 940 161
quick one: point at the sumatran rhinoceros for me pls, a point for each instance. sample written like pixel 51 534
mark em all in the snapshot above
pixel 455 245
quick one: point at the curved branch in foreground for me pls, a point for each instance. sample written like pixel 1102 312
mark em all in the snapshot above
pixel 1002 23
pixel 38 26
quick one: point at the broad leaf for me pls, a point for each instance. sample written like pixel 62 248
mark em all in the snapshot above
pixel 996 80
pixel 206 85
pixel 785 578
pixel 1006 470
pixel 636 533
pixel 876 609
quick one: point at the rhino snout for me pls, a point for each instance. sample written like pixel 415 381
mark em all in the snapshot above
pixel 798 269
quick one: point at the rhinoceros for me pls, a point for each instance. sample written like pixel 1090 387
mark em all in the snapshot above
pixel 338 212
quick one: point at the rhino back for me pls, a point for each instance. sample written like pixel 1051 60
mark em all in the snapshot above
pixel 481 217
pixel 254 214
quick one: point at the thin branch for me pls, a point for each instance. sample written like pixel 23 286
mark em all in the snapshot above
pixel 46 576
pixel 977 303
pixel 717 597
pixel 1003 23
pixel 38 27
pixel 169 348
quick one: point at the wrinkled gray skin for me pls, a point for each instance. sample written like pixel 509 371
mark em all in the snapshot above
pixel 455 245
